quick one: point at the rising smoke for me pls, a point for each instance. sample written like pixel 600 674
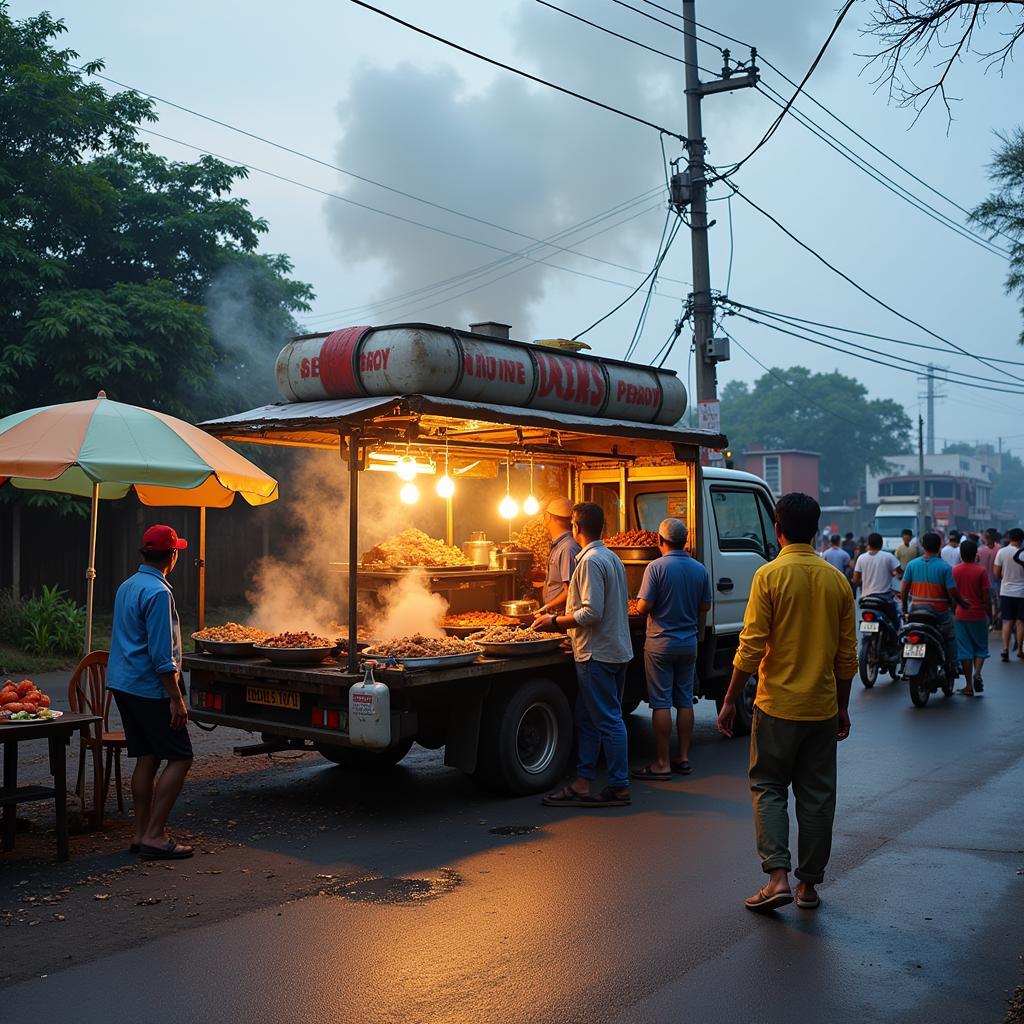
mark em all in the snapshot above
pixel 528 158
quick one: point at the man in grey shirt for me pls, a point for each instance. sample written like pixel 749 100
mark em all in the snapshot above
pixel 597 617
pixel 562 556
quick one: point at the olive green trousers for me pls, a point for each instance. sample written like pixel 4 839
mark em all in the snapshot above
pixel 801 755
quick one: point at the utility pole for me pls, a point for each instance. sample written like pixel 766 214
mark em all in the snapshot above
pixel 930 395
pixel 920 477
pixel 690 189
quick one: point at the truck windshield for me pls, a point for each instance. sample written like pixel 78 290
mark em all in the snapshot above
pixel 654 506
pixel 893 526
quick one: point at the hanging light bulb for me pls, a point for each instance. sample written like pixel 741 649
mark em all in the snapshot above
pixel 509 507
pixel 406 468
pixel 445 487
pixel 531 506
pixel 409 494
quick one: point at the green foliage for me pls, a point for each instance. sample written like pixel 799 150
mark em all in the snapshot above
pixel 1002 214
pixel 120 269
pixel 843 424
pixel 46 624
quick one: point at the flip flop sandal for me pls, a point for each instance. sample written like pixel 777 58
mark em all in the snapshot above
pixel 681 767
pixel 763 901
pixel 134 848
pixel 649 775
pixel 1004 655
pixel 979 686
pixel 565 797
pixel 607 798
pixel 172 851
pixel 808 904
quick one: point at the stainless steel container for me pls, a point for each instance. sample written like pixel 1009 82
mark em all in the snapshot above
pixel 519 608
pixel 478 550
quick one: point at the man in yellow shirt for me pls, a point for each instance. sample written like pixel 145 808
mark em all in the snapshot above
pixel 799 636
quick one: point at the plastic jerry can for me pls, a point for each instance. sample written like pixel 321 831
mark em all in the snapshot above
pixel 369 713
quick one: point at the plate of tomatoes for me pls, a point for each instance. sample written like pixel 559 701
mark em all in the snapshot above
pixel 25 702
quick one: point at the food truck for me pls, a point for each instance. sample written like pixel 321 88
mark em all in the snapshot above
pixel 416 400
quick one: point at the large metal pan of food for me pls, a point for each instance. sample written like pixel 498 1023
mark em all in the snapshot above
pixel 462 624
pixel 634 545
pixel 516 642
pixel 423 652
pixel 296 648
pixel 231 640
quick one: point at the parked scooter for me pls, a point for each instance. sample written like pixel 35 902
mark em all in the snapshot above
pixel 923 665
pixel 879 639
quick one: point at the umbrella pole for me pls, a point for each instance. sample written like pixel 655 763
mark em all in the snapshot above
pixel 353 547
pixel 201 571
pixel 90 573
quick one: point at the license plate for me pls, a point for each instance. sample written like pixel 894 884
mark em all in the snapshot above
pixel 272 698
pixel 913 650
pixel 869 627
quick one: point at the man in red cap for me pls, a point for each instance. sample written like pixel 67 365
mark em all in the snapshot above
pixel 144 673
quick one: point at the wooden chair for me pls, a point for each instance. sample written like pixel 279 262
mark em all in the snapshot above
pixel 88 694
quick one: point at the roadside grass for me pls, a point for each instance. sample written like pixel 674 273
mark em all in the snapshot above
pixel 15 660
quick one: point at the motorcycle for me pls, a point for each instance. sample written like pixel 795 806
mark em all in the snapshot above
pixel 879 639
pixel 923 664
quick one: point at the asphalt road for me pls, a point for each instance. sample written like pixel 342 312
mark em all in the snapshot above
pixel 325 897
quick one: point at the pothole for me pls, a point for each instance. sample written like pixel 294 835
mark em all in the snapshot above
pixel 514 830
pixel 384 890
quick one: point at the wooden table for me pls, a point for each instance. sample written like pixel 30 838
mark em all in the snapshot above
pixel 57 732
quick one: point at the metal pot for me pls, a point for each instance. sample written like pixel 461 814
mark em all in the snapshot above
pixel 520 562
pixel 478 550
pixel 519 608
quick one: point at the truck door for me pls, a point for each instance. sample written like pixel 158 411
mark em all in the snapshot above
pixel 741 539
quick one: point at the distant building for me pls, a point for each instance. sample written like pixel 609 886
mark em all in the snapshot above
pixel 981 468
pixel 785 469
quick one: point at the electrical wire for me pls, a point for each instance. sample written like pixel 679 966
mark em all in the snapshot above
pixel 653 271
pixel 373 209
pixel 642 319
pixel 516 71
pixel 915 370
pixel 861 334
pixel 728 276
pixel 864 291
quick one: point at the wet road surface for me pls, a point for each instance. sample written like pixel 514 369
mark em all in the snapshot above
pixel 413 897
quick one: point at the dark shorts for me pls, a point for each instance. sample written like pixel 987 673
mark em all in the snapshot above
pixel 1011 607
pixel 670 676
pixel 147 728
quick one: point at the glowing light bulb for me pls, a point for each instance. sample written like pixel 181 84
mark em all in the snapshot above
pixel 531 506
pixel 509 507
pixel 405 468
pixel 445 487
pixel 409 494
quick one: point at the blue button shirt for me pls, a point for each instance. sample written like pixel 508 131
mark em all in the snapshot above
pixel 146 637
pixel 675 585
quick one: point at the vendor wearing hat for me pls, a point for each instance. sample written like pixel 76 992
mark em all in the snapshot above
pixel 562 556
pixel 144 674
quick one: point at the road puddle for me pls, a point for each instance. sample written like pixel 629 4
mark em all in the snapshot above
pixel 384 891
pixel 514 830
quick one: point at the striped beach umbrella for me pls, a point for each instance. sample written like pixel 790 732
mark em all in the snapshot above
pixel 101 449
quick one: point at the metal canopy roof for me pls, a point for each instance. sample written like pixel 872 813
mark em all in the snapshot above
pixel 318 424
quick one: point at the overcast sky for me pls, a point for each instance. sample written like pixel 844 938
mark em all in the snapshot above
pixel 340 84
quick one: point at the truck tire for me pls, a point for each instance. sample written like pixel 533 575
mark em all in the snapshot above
pixel 744 709
pixel 526 738
pixel 358 760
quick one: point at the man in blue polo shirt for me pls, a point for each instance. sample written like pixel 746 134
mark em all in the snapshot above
pixel 144 673
pixel 675 594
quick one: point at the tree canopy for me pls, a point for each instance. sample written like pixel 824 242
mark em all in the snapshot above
pixel 828 413
pixel 120 269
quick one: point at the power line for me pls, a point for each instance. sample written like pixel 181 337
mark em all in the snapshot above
pixel 877 362
pixel 373 209
pixel 352 174
pixel 861 334
pixel 864 291
pixel 514 70
pixel 831 113
pixel 642 318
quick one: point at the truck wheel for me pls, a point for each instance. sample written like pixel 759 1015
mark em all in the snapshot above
pixel 358 760
pixel 744 708
pixel 525 738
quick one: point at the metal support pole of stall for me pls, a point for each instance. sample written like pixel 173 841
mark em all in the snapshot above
pixel 353 547
pixel 90 573
pixel 201 571
pixel 449 522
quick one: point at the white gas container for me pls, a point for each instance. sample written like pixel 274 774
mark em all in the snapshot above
pixel 369 713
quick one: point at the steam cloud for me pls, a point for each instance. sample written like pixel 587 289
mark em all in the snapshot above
pixel 522 156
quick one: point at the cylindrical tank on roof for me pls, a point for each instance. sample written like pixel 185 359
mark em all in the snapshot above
pixel 421 359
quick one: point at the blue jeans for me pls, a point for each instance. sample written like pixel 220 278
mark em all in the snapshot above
pixel 599 720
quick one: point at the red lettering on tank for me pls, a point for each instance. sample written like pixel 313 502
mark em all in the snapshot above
pixel 314 366
pixel 304 369
pixel 520 373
